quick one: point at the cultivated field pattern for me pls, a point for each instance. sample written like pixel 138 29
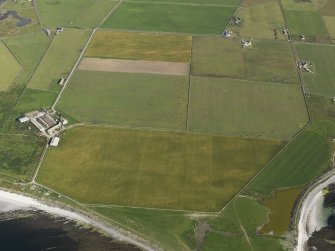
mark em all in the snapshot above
pixel 184 118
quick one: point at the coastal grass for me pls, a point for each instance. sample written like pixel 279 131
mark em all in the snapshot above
pixel 229 229
pixel 169 229
pixel 246 108
pixel 59 59
pixel 216 241
pixel 233 216
pixel 73 13
pixel 9 69
pixel 304 159
pixel 322 81
pixel 169 17
pixel 29 49
pixel 153 169
pixel 140 45
pixel 137 100
pixel 260 20
pixel 267 60
pixel 19 155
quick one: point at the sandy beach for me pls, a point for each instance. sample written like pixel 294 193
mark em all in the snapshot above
pixel 310 218
pixel 11 201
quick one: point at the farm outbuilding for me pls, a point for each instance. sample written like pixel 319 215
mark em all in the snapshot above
pixel 54 141
pixel 23 119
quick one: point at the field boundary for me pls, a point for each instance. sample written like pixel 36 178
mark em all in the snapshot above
pixel 73 69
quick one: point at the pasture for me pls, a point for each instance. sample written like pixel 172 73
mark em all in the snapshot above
pixel 304 159
pixel 29 49
pixel 260 20
pixel 153 169
pixel 330 24
pixel 293 5
pixel 19 155
pixel 309 23
pixel 270 61
pixel 61 56
pixel 10 68
pixel 35 99
pixel 123 99
pixel 73 13
pixel 321 108
pixel 140 45
pixel 322 81
pixel 169 17
pixel 245 108
pixel 170 229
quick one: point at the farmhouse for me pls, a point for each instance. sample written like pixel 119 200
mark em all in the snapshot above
pixel 235 20
pixel 246 43
pixel 303 65
pixel 227 33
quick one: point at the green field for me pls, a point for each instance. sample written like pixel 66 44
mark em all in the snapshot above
pixel 268 60
pixel 306 158
pixel 9 69
pixel 172 230
pixel 73 13
pixel 298 6
pixel 59 59
pixel 34 100
pixel 29 49
pixel 260 20
pixel 322 82
pixel 10 27
pixel 308 23
pixel 153 169
pixel 330 23
pixel 144 16
pixel 321 108
pixel 246 108
pixel 140 45
pixel 226 230
pixel 19 155
pixel 328 9
pixel 139 100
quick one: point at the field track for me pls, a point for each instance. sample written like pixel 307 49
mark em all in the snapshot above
pixel 134 66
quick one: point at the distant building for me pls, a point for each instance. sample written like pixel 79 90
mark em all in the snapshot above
pixel 23 119
pixel 61 81
pixel 54 141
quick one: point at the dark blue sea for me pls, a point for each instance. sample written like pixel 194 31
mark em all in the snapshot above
pixel 23 230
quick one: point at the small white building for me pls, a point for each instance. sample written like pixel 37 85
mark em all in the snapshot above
pixel 61 81
pixel 54 141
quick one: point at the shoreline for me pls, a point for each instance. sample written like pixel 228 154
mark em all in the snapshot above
pixel 309 214
pixel 16 201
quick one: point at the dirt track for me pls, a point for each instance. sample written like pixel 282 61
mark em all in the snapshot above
pixel 134 66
